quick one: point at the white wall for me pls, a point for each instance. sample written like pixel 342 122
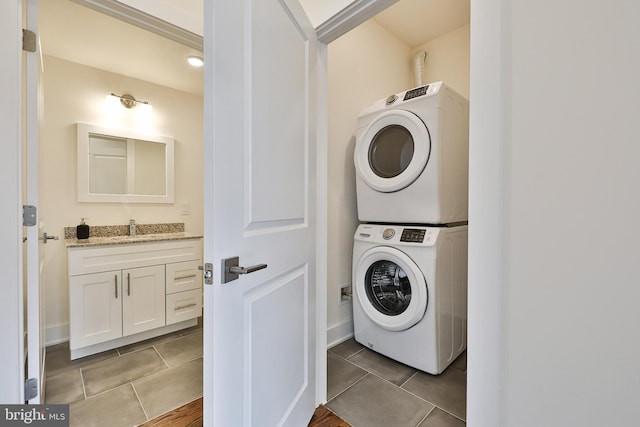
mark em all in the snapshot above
pixel 76 93
pixel 448 60
pixel 553 235
pixel 364 65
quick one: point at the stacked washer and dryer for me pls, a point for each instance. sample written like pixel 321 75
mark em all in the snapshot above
pixel 410 250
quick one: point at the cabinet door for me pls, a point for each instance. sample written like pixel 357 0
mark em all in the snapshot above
pixel 95 308
pixel 183 276
pixel 143 299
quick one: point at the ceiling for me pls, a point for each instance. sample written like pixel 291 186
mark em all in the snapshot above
pixel 82 35
pixel 418 21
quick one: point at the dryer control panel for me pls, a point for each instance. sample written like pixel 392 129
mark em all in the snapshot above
pixel 414 93
pixel 413 235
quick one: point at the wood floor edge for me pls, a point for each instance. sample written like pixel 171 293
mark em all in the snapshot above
pixel 324 417
pixel 190 415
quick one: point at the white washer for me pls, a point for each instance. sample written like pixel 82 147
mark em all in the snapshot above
pixel 412 157
pixel 410 293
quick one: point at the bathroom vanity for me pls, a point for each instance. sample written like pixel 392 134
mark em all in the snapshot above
pixel 125 289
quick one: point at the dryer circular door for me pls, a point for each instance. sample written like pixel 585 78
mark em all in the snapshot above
pixel 390 288
pixel 393 151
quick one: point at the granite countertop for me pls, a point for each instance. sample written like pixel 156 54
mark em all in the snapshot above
pixel 128 240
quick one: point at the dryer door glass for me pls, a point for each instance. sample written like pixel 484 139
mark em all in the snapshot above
pixel 388 288
pixel 391 151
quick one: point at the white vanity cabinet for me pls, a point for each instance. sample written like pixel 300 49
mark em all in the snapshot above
pixel 120 294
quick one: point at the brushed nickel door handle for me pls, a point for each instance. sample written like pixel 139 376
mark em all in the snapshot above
pixel 231 270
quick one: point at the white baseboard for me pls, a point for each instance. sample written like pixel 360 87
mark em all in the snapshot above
pixel 339 333
pixel 335 334
pixel 56 334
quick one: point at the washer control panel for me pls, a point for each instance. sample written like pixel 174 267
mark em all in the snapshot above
pixel 388 234
pixel 413 235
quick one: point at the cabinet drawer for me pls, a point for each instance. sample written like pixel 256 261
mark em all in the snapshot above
pixel 183 276
pixel 184 305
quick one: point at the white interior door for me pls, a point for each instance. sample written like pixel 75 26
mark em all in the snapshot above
pixel 260 177
pixel 35 254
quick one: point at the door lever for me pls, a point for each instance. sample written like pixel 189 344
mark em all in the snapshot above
pixel 231 270
pixel 46 237
pixel 246 270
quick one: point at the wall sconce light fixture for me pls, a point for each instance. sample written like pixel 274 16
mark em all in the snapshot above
pixel 129 101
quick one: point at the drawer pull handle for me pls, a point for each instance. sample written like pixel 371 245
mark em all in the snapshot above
pixel 180 307
pixel 129 284
pixel 116 284
pixel 185 277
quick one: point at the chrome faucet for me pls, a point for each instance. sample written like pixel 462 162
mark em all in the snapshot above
pixel 132 227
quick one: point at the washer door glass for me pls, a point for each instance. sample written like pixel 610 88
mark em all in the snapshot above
pixel 388 288
pixel 391 151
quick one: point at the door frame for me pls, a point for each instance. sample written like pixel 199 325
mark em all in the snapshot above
pixel 11 247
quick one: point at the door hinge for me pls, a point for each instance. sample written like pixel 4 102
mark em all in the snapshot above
pixel 28 40
pixel 29 215
pixel 30 388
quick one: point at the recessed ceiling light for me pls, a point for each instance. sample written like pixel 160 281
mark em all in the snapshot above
pixel 195 61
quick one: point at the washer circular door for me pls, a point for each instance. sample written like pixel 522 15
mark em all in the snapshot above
pixel 393 151
pixel 390 288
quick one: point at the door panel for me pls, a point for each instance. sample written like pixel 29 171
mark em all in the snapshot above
pixel 280 338
pixel 260 154
pixel 278 175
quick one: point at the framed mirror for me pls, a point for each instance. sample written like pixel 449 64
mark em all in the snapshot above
pixel 116 165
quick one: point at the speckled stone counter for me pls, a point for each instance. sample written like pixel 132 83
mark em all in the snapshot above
pixel 119 234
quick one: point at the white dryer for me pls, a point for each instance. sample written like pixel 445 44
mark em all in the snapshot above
pixel 410 293
pixel 412 157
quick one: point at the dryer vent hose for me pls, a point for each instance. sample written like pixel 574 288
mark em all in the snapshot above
pixel 418 62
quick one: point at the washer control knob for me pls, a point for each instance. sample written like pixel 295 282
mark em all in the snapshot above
pixel 388 233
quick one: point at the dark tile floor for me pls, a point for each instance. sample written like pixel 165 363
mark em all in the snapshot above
pixel 136 383
pixel 367 389
pixel 129 385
